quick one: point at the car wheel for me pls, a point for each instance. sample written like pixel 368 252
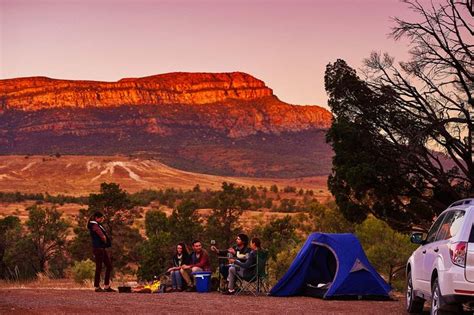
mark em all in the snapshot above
pixel 438 306
pixel 414 303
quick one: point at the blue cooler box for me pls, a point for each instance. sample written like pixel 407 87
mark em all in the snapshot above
pixel 203 281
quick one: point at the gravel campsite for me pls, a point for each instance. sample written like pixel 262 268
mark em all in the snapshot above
pixel 80 301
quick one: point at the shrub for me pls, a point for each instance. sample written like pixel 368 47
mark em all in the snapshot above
pixel 289 189
pixel 277 267
pixel 83 270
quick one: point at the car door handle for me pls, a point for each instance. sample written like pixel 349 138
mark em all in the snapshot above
pixel 436 249
pixel 424 251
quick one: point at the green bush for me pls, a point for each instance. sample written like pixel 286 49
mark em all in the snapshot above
pixel 279 266
pixel 83 270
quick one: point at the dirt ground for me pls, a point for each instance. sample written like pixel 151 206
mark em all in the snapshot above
pixel 85 301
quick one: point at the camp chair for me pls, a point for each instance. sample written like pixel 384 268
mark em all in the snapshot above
pixel 258 283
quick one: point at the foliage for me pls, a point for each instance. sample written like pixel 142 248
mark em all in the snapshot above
pixel 114 203
pixel 289 189
pixel 386 249
pixel 328 219
pixel 59 199
pixel 21 260
pixel 157 250
pixel 287 205
pixel 403 138
pixel 277 235
pixel 47 232
pixel 83 270
pixel 80 247
pixel 228 205
pixel 185 223
pixel 274 189
pixel 10 233
pixel 119 214
pixel 278 267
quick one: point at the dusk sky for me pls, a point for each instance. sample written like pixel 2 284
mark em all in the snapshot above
pixel 287 44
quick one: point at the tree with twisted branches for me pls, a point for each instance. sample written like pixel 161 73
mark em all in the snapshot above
pixel 403 135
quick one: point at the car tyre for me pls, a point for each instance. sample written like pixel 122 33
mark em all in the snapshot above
pixel 414 303
pixel 438 305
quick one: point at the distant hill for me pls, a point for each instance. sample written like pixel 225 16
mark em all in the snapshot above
pixel 217 123
pixel 81 175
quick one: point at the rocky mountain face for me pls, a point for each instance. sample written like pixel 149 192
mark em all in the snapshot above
pixel 224 123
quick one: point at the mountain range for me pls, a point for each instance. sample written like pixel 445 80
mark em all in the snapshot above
pixel 215 123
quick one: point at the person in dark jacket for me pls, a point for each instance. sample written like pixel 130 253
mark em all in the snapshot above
pixel 239 251
pixel 243 269
pixel 180 258
pixel 100 243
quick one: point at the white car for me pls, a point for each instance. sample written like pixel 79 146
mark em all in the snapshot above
pixel 442 268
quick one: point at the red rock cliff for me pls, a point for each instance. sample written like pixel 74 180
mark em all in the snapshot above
pixel 225 123
pixel 234 103
pixel 37 93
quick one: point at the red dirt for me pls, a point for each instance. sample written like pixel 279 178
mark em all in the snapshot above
pixel 80 301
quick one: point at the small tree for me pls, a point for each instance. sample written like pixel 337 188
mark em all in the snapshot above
pixel 157 250
pixel 115 204
pixel 278 235
pixel 228 205
pixel 185 223
pixel 274 188
pixel 47 232
pixel 119 214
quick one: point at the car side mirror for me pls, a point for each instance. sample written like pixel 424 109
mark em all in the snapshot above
pixel 417 238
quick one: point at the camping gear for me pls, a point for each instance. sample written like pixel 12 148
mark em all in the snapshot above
pixel 257 283
pixel 203 281
pixel 125 289
pixel 153 287
pixel 332 266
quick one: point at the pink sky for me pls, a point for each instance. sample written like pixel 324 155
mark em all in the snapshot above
pixel 287 44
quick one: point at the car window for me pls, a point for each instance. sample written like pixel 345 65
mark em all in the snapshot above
pixel 458 220
pixel 451 225
pixel 443 230
pixel 434 229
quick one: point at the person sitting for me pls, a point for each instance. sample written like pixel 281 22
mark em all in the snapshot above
pixel 245 269
pixel 239 251
pixel 199 262
pixel 180 258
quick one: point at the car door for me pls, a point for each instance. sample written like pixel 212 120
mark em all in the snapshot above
pixel 428 255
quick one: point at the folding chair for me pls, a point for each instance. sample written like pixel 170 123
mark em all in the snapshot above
pixel 258 283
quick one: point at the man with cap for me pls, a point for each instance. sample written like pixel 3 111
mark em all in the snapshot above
pixel 239 251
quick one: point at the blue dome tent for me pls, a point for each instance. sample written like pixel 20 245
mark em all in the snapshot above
pixel 332 266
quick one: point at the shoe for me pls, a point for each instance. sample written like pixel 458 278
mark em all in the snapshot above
pixel 109 289
pixel 99 290
pixel 179 290
pixel 228 292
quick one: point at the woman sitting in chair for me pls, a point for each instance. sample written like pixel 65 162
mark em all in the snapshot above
pixel 181 257
pixel 245 269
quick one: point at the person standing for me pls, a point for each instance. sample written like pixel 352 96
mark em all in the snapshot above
pixel 100 243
